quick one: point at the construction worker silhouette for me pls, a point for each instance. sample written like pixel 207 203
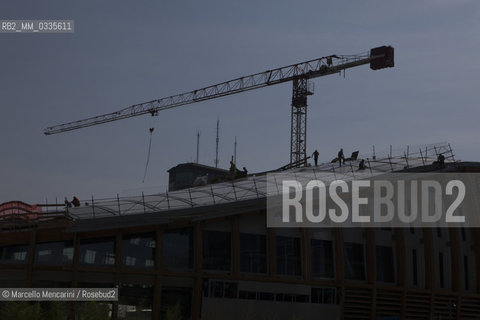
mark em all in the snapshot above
pixel 361 165
pixel 76 202
pixel 315 157
pixel 341 157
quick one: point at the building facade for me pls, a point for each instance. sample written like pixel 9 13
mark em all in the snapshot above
pixel 220 261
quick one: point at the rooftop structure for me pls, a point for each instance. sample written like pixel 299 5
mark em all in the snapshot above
pixel 256 186
pixel 187 175
pixel 206 253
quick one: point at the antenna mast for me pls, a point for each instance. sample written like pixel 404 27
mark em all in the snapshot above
pixel 198 145
pixel 235 151
pixel 216 149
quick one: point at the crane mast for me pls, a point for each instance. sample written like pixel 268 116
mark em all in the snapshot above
pixel 299 74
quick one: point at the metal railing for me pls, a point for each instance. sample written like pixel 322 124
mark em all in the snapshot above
pixel 257 186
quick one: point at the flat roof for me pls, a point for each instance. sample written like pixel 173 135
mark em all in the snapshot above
pixel 255 186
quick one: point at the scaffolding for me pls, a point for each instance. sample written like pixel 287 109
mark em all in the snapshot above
pixel 419 158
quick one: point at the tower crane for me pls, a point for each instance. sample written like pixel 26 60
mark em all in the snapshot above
pixel 300 74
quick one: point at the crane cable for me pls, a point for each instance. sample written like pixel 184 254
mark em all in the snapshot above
pixel 148 154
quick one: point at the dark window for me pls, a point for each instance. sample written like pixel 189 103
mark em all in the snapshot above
pixel 286 297
pixel 230 290
pixel 253 253
pixel 54 252
pixel 223 289
pixel 303 298
pixel 440 267
pixel 265 296
pixel 329 296
pixel 139 250
pixel 412 230
pixel 248 295
pixel 322 258
pixel 354 261
pixel 136 300
pixel 178 249
pixel 317 295
pixel 465 272
pixel 97 252
pixel 288 256
pixel 385 266
pixel 216 250
pixel 325 296
pixel 439 232
pixel 415 267
pixel 176 301
pixel 17 253
pixel 216 289
pixel 85 309
pixel 464 233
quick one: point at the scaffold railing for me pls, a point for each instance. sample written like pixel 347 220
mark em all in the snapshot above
pixel 256 186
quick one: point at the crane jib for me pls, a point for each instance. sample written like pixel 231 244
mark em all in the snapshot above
pixel 379 58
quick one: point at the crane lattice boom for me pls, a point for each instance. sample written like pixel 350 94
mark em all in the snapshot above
pixel 298 73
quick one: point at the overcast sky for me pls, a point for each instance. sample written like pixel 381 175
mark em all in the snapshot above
pixel 127 52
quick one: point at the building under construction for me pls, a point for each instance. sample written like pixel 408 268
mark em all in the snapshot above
pixel 204 252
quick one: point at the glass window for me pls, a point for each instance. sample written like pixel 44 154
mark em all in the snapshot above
pixel 178 249
pixel 286 297
pixel 54 252
pixel 135 301
pixel 267 296
pixel 176 303
pixel 415 267
pixel 139 250
pixel 325 295
pixel 354 261
pixel 223 289
pixel 439 232
pixel 98 252
pixel 249 295
pixel 89 309
pixel 216 289
pixel 16 253
pixel 322 258
pixel 253 253
pixel 385 264
pixel 440 267
pixel 465 272
pixel 216 250
pixel 288 256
